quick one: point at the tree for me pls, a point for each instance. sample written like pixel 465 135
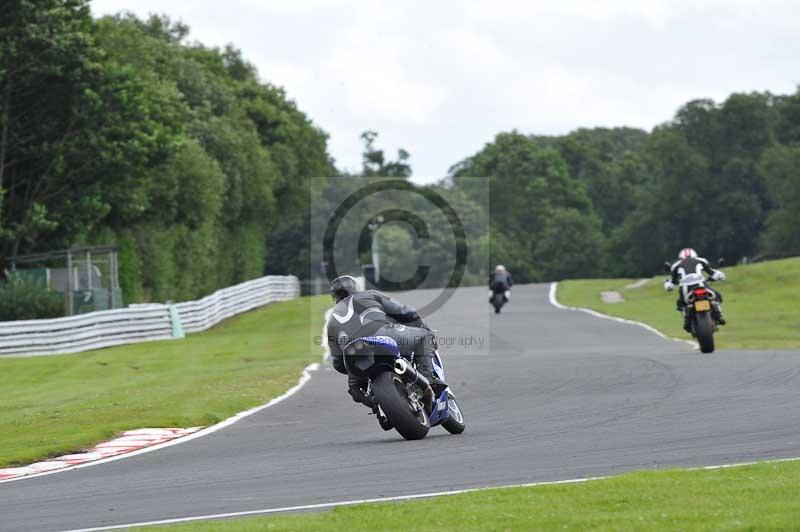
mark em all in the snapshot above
pixel 77 133
pixel 609 163
pixel 374 163
pixel 571 245
pixel 526 184
pixel 780 166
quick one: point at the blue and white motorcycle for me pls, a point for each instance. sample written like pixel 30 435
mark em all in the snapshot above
pixel 400 397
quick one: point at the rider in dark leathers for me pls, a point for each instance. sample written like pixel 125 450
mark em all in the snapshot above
pixel 500 281
pixel 361 313
pixel 688 262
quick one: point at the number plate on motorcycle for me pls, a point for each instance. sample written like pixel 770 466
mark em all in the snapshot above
pixel 702 305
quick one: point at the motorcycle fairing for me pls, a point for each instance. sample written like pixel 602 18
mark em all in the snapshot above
pixel 440 411
pixel 438 368
pixel 692 281
pixel 387 344
pixel 381 348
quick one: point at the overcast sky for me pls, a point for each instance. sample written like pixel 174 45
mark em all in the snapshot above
pixel 440 79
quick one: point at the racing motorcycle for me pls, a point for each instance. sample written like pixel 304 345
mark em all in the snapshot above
pixel 700 302
pixel 399 396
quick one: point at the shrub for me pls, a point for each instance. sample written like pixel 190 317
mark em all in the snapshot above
pixel 23 299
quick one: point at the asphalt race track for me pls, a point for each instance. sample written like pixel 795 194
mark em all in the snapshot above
pixel 552 394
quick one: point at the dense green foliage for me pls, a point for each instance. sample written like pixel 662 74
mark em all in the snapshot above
pixel 431 245
pixel 722 178
pixel 23 299
pixel 117 131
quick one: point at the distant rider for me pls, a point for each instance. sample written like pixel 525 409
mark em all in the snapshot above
pixel 688 263
pixel 500 281
pixel 360 313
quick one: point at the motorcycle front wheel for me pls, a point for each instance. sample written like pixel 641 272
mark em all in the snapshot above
pixel 455 421
pixel 412 423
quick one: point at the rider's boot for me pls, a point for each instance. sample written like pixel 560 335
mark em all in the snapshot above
pixel 357 388
pixel 720 316
pixel 687 322
pixel 424 365
pixel 491 294
pixel 507 295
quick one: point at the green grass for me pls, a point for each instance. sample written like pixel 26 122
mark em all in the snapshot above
pixel 53 405
pixel 757 497
pixel 762 304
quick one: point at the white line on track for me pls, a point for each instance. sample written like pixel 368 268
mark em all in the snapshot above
pixel 327 505
pixel 555 303
pixel 327 353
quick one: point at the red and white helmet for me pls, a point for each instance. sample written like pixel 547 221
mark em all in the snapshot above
pixel 687 253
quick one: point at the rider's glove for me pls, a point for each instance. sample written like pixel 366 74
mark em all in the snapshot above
pixel 669 286
pixel 718 276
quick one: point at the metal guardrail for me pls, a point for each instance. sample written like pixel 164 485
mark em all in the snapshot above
pixel 139 323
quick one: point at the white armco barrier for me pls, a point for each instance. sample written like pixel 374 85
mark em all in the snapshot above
pixel 139 323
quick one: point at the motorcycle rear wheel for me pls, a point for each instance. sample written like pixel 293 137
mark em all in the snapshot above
pixel 497 302
pixel 704 330
pixel 390 392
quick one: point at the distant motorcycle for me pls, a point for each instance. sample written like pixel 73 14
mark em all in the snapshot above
pixel 400 397
pixel 700 304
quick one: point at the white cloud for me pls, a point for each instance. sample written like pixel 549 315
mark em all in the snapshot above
pixel 442 78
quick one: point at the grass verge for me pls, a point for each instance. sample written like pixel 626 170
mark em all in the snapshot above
pixel 761 304
pixel 53 405
pixel 757 497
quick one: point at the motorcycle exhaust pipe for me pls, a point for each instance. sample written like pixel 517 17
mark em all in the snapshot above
pixel 411 376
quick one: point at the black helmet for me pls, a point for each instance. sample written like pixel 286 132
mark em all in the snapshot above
pixel 343 286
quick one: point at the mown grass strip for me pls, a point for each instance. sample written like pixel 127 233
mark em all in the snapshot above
pixel 756 497
pixel 54 405
pixel 762 304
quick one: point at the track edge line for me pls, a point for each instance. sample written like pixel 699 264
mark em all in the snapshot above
pixel 325 505
pixel 554 301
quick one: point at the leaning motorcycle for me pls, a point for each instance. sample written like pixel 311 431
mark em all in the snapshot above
pixel 399 396
pixel 700 302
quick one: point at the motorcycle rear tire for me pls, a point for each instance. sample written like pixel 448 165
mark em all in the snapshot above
pixel 497 302
pixel 388 390
pixel 704 330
